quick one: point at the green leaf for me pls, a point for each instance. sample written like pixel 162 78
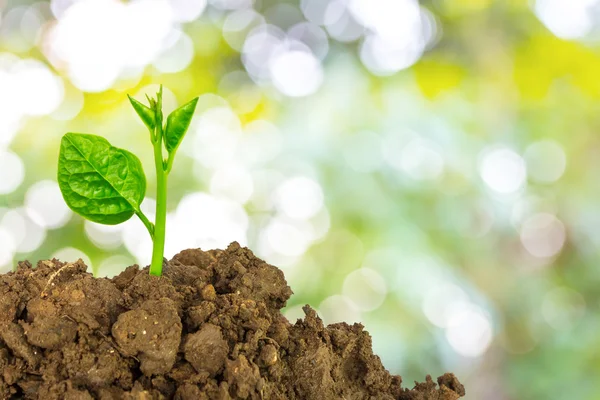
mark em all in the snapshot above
pixel 178 123
pixel 157 105
pixel 100 182
pixel 145 113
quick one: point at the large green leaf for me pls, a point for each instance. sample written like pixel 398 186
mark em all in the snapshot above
pixel 178 123
pixel 100 182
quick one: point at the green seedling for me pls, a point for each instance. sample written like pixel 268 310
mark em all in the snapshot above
pixel 107 185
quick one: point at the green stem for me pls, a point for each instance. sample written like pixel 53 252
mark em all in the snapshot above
pixel 149 225
pixel 160 221
pixel 170 161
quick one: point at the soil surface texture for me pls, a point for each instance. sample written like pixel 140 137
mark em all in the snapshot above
pixel 209 328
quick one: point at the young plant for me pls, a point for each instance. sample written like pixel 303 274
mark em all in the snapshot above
pixel 107 185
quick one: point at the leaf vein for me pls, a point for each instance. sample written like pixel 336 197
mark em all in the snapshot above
pixel 99 173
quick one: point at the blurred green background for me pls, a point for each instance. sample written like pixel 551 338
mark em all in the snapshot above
pixel 428 169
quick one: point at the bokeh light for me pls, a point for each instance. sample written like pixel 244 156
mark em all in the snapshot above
pixel 296 73
pixel 113 265
pixel 420 160
pixel 543 235
pixel 177 55
pixel 45 205
pixel 27 234
pixel 7 251
pixel 104 236
pixel 339 308
pixel 439 302
pixel 546 161
pixel 233 182
pixel 398 33
pixel 299 197
pixel 469 330
pixel 187 11
pixel 565 19
pixel 205 221
pixel 12 171
pixel 503 170
pixel 365 288
pixel 141 32
pixel 72 254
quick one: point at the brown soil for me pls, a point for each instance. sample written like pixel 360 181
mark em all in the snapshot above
pixel 210 328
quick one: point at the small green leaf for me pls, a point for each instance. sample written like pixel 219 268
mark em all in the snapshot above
pixel 178 123
pixel 100 182
pixel 145 113
pixel 158 106
pixel 151 101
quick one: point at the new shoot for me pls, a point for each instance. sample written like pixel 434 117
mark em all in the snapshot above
pixel 107 185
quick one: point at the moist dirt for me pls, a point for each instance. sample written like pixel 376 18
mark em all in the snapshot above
pixel 209 328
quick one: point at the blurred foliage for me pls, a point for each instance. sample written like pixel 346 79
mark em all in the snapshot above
pixel 421 172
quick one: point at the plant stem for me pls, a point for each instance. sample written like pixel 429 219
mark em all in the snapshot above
pixel 160 220
pixel 149 225
pixel 170 161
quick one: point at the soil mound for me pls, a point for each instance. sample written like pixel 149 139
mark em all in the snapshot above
pixel 210 328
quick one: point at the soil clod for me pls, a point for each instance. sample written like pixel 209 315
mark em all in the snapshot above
pixel 210 328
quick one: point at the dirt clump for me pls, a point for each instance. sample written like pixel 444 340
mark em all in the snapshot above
pixel 209 328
